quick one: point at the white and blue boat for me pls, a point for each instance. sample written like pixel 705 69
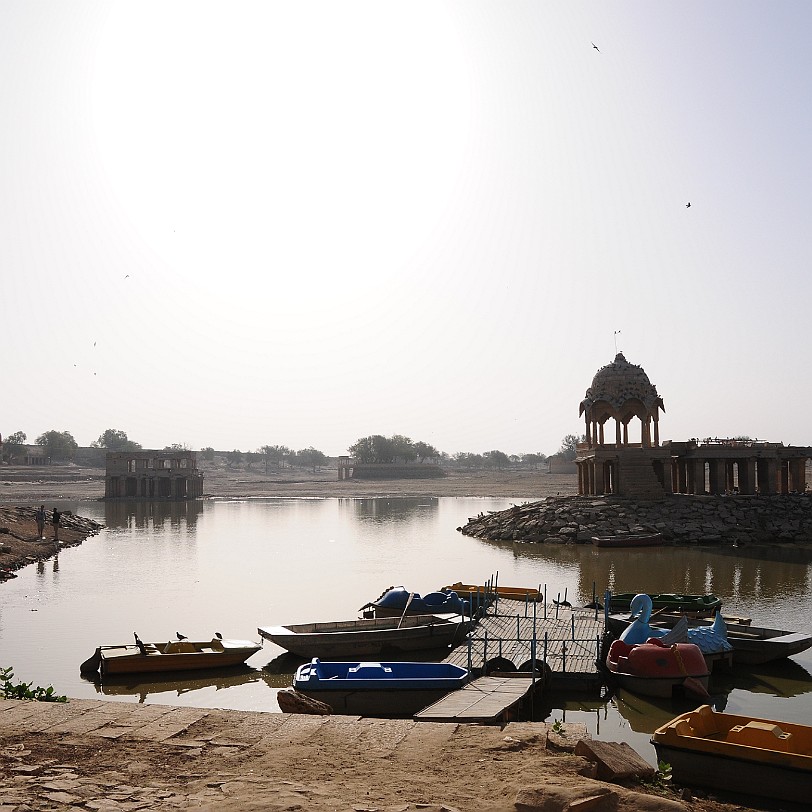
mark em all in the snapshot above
pixel 378 688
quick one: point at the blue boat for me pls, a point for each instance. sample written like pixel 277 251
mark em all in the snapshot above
pixel 397 601
pixel 378 688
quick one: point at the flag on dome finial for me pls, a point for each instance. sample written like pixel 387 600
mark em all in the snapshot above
pixel 617 333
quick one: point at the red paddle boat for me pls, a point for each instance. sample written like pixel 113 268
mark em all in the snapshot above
pixel 654 668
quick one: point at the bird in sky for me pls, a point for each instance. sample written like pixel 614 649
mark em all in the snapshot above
pixel 596 47
pixel 688 205
pixel 126 276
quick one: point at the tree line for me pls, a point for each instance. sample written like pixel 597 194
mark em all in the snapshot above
pixel 375 448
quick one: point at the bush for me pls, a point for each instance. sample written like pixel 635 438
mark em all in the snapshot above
pixel 23 690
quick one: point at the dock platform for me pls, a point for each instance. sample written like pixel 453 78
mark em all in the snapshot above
pixel 485 700
pixel 514 633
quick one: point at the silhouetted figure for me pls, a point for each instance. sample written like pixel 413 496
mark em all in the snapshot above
pixel 181 636
pixel 596 47
pixel 141 647
pixel 688 205
pixel 218 635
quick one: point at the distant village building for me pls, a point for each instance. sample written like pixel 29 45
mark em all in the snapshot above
pixel 152 475
pixel 623 393
pixel 33 455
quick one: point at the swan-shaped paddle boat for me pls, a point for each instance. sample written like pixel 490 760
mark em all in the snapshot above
pixel 710 639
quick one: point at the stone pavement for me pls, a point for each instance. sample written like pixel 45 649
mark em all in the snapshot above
pixel 121 757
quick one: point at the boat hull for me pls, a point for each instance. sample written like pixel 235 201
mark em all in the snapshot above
pixel 653 669
pixel 514 593
pixel 128 659
pixel 369 637
pixel 738 754
pixel 752 645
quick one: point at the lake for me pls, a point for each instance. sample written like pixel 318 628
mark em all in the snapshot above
pixel 232 565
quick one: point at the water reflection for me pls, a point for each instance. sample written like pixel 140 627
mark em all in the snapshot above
pixel 178 683
pixel 738 575
pixel 782 678
pixel 140 514
pixel 389 511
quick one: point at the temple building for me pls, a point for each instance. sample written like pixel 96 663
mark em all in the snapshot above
pixel 152 475
pixel 649 469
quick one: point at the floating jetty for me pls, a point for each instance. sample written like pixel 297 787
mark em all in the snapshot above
pixel 558 645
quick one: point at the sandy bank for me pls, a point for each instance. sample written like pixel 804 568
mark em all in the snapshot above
pixel 120 756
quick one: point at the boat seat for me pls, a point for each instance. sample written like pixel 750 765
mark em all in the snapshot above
pixel 368 671
pixel 704 722
pixel 764 735
pixel 179 647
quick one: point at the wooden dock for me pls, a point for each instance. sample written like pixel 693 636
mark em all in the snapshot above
pixel 486 700
pixel 513 634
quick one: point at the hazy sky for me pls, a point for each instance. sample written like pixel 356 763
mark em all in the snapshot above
pixel 239 224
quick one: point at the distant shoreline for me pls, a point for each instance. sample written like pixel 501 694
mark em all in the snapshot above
pixel 29 485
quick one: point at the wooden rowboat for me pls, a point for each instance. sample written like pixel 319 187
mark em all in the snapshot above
pixel 176 655
pixel 369 637
pixel 514 593
pixel 740 754
pixel 629 540
pixel 698 605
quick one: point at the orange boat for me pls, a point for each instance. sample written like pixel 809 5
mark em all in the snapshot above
pixel 738 754
pixel 656 669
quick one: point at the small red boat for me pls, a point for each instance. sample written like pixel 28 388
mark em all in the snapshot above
pixel 656 669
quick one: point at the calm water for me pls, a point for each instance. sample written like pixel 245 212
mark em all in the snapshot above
pixel 230 566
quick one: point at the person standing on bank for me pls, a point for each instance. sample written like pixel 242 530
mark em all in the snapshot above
pixel 39 515
pixel 55 522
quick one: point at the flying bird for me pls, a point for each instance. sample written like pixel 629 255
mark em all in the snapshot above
pixel 688 205
pixel 180 636
pixel 126 276
pixel 596 47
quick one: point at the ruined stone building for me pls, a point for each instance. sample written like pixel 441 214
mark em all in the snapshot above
pixel 152 475
pixel 622 392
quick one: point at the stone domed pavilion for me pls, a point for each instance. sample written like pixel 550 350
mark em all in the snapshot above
pixel 622 392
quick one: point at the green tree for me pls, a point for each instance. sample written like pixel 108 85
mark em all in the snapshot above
pixel 207 453
pixel 496 459
pixel 234 458
pixel 569 446
pixel 425 451
pixel 402 448
pixel 311 457
pixel 115 440
pixel 58 445
pixel 274 453
pixel 534 460
pixel 14 446
pixel 468 460
pixel 375 448
pixel 363 450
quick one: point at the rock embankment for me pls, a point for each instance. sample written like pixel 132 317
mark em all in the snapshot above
pixel 20 545
pixel 682 519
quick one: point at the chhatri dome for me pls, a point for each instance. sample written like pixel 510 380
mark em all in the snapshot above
pixel 622 391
